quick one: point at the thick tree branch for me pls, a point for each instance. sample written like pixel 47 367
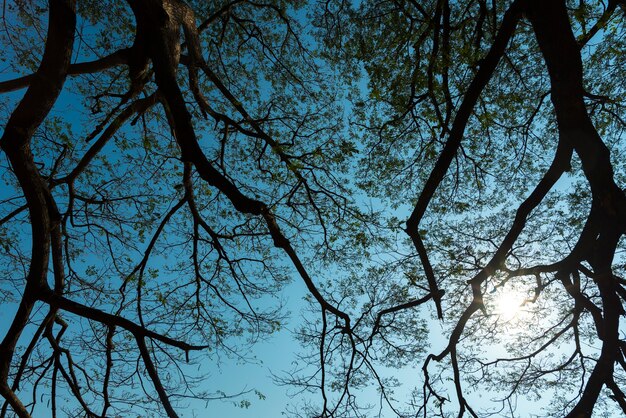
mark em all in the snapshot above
pixel 164 51
pixel 480 80
pixel 112 60
pixel 15 142
pixel 562 56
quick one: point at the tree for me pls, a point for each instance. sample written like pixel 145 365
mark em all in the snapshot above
pixel 460 125
pixel 152 219
pixel 174 163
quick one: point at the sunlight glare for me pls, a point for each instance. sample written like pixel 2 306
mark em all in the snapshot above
pixel 508 304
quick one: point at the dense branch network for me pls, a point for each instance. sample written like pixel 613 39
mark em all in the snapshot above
pixel 160 22
pixel 229 150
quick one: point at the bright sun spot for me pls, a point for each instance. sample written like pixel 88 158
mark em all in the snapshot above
pixel 508 304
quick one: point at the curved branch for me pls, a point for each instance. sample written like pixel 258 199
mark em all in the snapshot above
pixel 118 57
pixel 562 55
pixel 154 376
pixel 105 318
pixel 480 80
pixel 164 56
pixel 15 142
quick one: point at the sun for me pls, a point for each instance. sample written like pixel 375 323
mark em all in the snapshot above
pixel 508 304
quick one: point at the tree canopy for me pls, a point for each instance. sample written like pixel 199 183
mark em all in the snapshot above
pixel 446 178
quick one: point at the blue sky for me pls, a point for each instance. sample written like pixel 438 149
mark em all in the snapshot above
pixel 278 353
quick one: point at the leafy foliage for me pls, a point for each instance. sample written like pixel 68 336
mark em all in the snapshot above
pixel 173 165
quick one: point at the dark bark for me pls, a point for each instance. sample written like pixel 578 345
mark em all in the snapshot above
pixel 480 80
pixel 112 60
pixel 162 28
pixel 607 220
pixel 15 142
